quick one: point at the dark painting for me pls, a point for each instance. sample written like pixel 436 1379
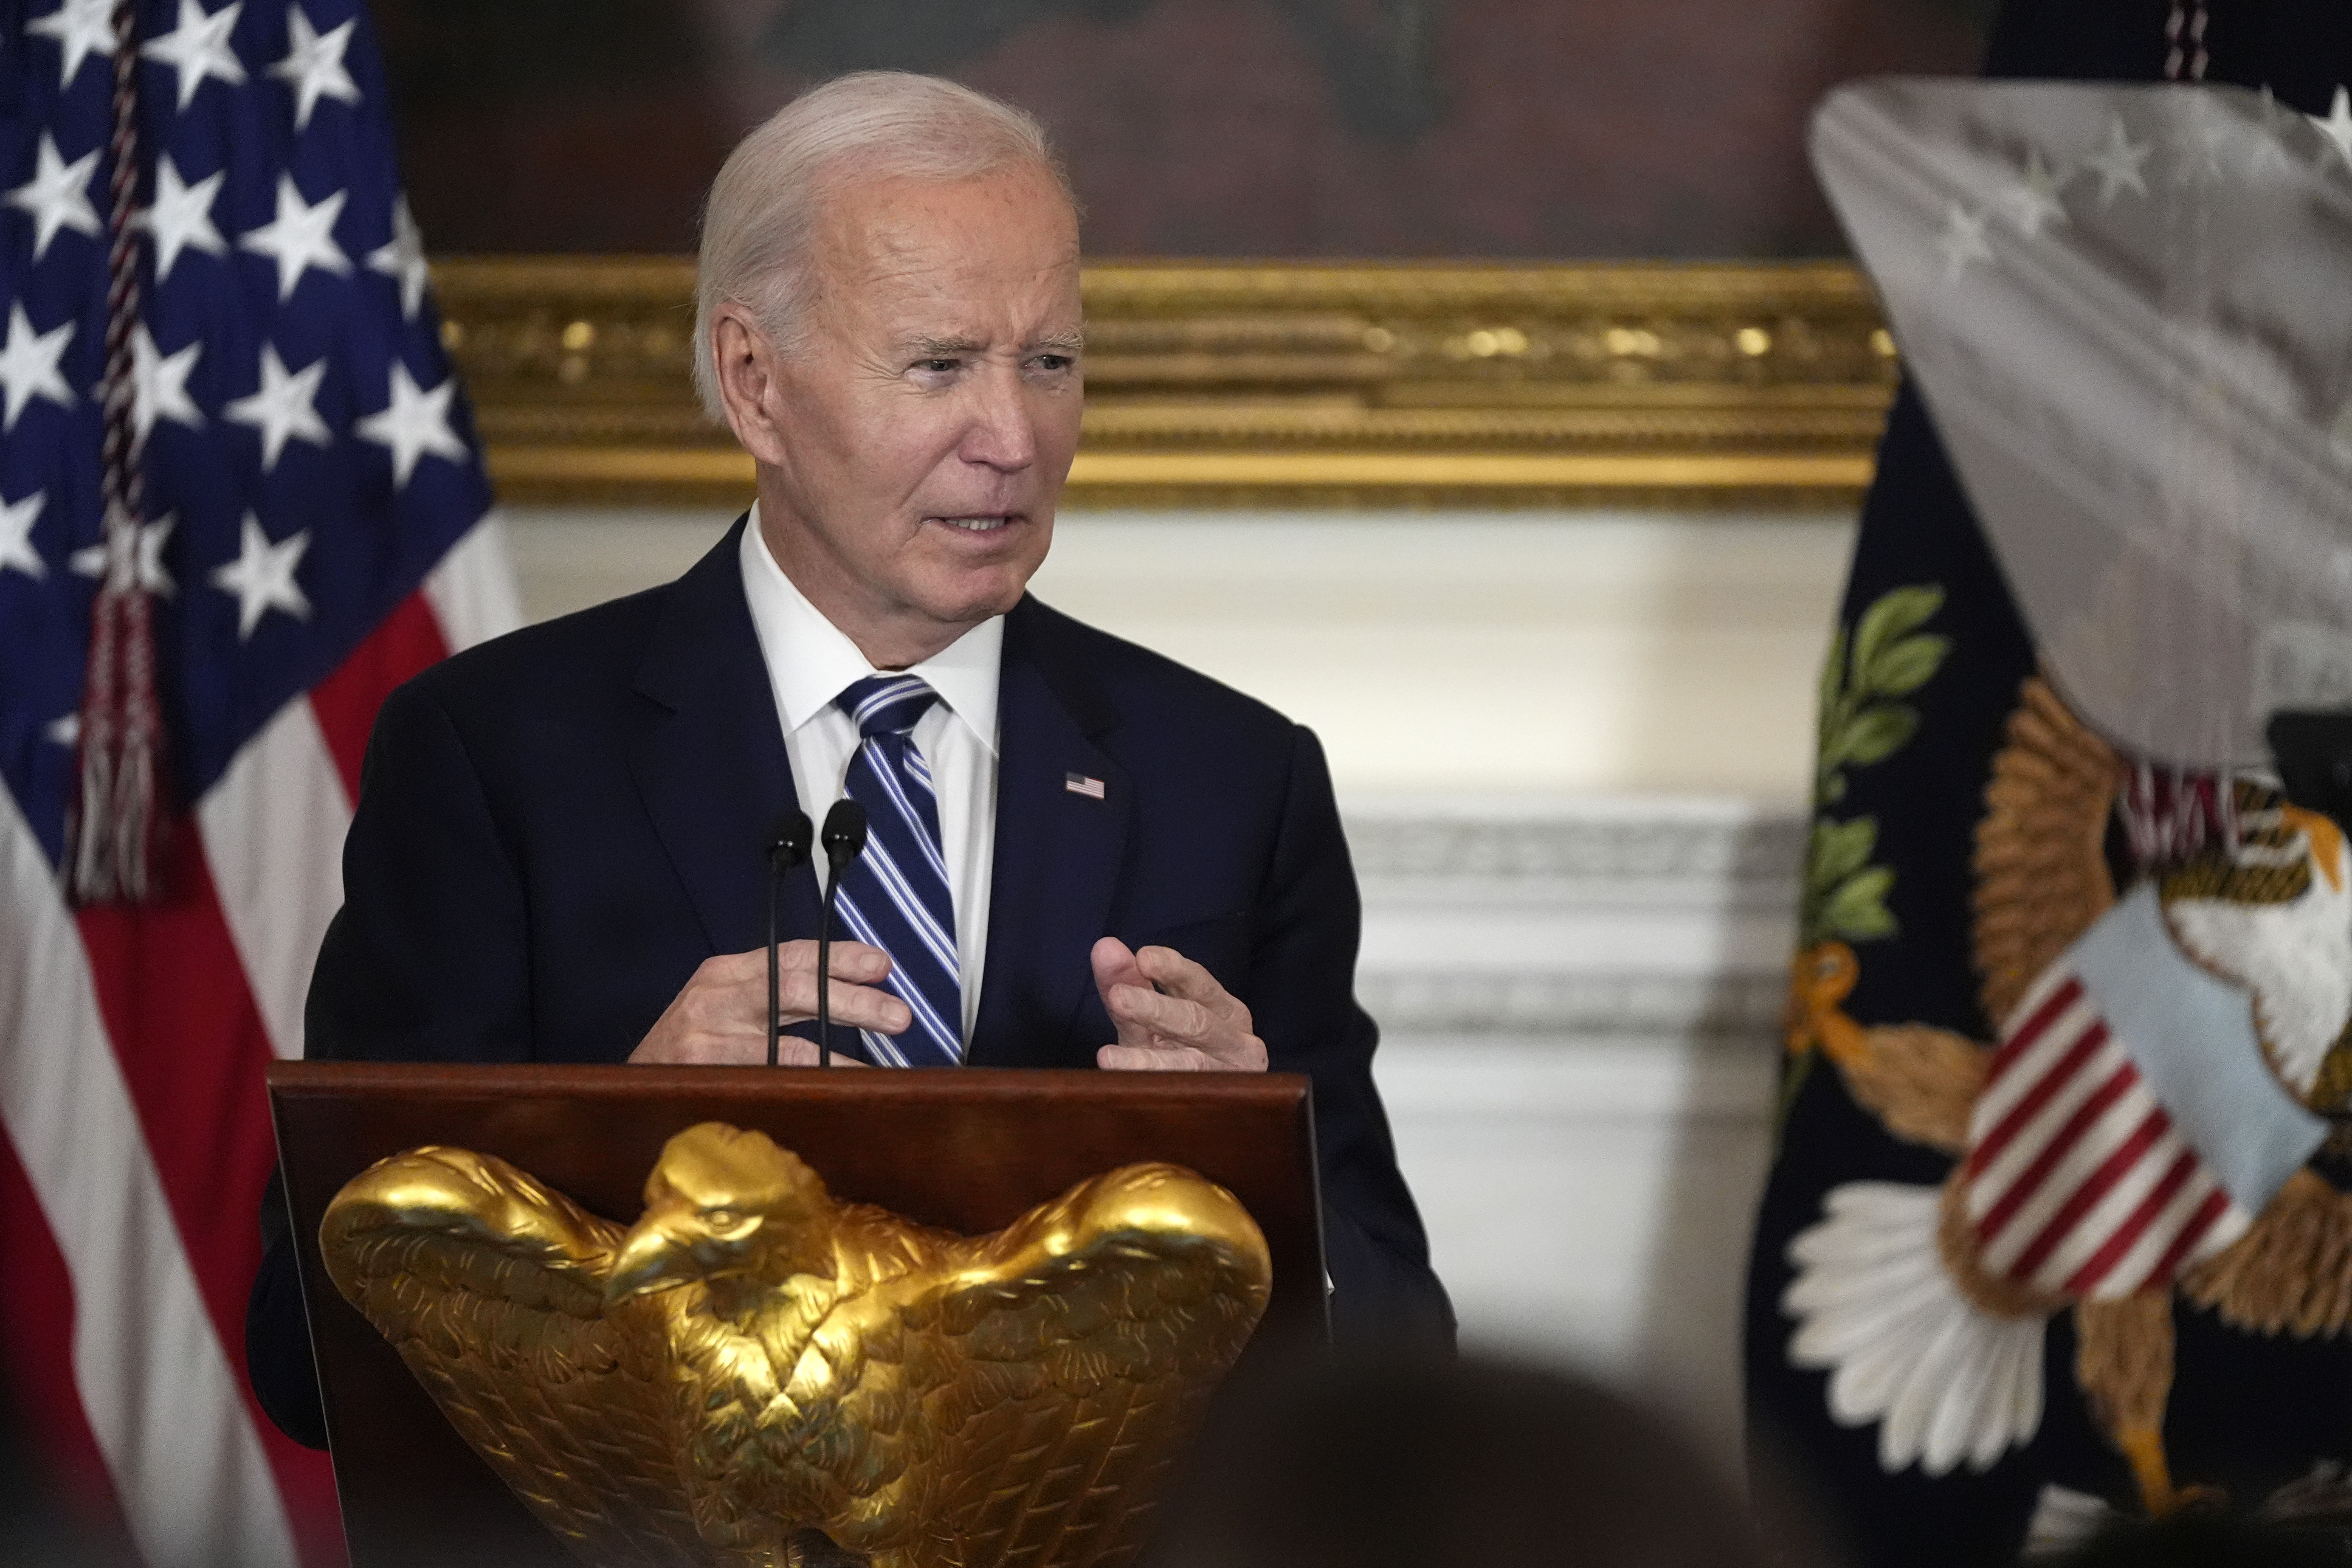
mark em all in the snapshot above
pixel 1197 128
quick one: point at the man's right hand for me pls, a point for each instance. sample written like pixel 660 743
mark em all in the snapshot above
pixel 721 1016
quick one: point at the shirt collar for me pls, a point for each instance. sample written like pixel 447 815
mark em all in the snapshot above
pixel 811 660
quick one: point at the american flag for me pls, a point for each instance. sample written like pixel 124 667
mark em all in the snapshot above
pixel 312 533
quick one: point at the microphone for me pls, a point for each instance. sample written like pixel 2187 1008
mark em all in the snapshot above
pixel 786 850
pixel 845 838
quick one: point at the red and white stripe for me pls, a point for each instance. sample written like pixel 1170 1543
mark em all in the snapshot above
pixel 2077 1182
pixel 131 1045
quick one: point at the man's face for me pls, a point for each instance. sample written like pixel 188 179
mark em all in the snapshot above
pixel 912 447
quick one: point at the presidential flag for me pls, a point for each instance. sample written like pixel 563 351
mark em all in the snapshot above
pixel 2021 1268
pixel 239 501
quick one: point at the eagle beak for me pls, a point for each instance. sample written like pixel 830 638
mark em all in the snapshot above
pixel 651 1260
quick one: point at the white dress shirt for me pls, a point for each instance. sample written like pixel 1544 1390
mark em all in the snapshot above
pixel 810 662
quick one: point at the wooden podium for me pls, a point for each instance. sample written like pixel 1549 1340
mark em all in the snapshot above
pixel 970 1150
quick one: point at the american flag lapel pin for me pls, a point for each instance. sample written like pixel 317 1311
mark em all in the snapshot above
pixel 1078 783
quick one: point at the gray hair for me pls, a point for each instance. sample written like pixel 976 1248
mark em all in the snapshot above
pixel 762 212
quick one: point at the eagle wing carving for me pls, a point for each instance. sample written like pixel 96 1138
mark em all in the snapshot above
pixel 1063 1360
pixel 491 1286
pixel 753 1360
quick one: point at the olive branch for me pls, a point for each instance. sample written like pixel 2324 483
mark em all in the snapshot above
pixel 1862 721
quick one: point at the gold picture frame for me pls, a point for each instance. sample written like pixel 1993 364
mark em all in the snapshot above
pixel 1261 383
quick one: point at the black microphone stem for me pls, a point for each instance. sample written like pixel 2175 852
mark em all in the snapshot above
pixel 786 850
pixel 824 974
pixel 843 837
pixel 775 1006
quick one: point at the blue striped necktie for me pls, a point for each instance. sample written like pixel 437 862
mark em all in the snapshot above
pixel 896 896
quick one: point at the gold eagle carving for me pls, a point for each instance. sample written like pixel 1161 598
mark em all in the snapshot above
pixel 753 1361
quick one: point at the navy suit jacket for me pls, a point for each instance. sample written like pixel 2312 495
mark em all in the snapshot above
pixel 555 828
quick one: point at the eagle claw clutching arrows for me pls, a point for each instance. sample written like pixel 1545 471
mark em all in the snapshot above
pixel 755 1373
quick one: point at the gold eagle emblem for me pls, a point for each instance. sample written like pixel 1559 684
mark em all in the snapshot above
pixel 754 1361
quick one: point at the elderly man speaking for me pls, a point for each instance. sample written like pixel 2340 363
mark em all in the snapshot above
pixel 1084 854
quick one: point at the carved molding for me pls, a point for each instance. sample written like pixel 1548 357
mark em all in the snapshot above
pixel 1727 1008
pixel 1712 884
pixel 1663 853
pixel 1320 384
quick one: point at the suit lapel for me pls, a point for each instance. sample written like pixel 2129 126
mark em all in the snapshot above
pixel 710 766
pixel 1057 858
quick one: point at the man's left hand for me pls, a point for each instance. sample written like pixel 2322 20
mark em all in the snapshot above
pixel 1172 1015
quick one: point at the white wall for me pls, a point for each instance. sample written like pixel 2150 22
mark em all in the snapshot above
pixel 1573 749
pixel 1580 1007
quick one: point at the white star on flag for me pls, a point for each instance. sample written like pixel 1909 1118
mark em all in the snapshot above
pixel 313 66
pixel 403 258
pixel 57 196
pixel 1963 239
pixel 2034 201
pixel 199 48
pixel 82 28
pixel 141 561
pixel 65 730
pixel 262 578
pixel 159 386
pixel 2118 164
pixel 182 216
pixel 2338 126
pixel 17 552
pixel 301 237
pixel 286 407
pixel 413 425
pixel 28 366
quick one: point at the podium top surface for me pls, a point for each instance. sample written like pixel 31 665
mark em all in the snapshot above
pixel 590 1081
pixel 970 1149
